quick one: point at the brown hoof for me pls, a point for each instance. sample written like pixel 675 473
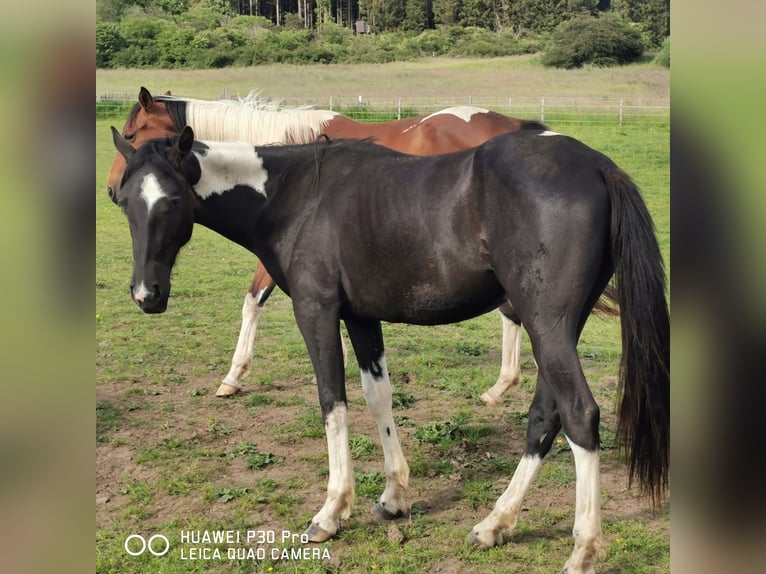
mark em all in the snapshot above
pixel 316 533
pixel 474 540
pixel 379 510
pixel 226 390
pixel 488 399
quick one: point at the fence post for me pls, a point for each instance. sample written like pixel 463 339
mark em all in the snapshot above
pixel 331 103
pixel 470 100
pixel 399 108
pixel 621 111
pixel 542 110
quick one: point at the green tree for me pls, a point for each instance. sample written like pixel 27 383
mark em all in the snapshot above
pixel 416 15
pixel 602 41
pixel 446 11
pixel 383 15
pixel 537 15
pixel 652 15
pixel 109 41
pixel 207 14
pixel 140 36
pixel 479 13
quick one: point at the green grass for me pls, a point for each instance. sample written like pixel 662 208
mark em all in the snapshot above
pixel 199 466
pixel 514 76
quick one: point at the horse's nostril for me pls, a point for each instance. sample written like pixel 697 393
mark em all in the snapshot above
pixel 110 191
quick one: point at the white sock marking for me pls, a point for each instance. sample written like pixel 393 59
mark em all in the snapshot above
pixel 340 484
pixel 587 523
pixel 506 512
pixel 377 393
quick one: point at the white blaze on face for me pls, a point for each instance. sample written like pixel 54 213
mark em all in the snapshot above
pixel 226 165
pixel 151 191
pixel 549 133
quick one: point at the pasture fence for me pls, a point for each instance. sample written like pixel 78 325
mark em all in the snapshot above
pixel 549 109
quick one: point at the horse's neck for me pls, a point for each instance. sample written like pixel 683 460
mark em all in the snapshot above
pixel 223 121
pixel 225 165
pixel 232 188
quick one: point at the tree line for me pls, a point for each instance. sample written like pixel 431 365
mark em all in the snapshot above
pixel 214 33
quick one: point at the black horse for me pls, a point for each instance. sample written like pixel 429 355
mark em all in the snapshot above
pixel 535 221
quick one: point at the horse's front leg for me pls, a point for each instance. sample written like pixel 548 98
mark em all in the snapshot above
pixel 320 328
pixel 367 339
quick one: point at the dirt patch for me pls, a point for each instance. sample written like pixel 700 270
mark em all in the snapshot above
pixel 171 458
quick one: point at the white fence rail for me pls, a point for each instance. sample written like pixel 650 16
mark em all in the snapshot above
pixel 549 109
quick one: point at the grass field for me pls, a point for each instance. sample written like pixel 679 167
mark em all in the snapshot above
pixel 171 457
pixel 434 77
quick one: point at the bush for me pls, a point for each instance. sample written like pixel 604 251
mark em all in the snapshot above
pixel 663 56
pixel 109 41
pixel 602 41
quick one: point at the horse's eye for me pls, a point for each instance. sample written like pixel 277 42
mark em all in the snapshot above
pixel 130 137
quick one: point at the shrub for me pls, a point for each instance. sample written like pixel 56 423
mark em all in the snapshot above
pixel 663 56
pixel 109 41
pixel 603 41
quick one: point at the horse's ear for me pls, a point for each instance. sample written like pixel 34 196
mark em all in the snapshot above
pixel 122 145
pixel 167 93
pixel 182 147
pixel 145 99
pixel 185 141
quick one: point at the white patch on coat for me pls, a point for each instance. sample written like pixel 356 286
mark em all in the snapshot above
pixel 465 113
pixel 151 191
pixel 225 165
pixel 549 133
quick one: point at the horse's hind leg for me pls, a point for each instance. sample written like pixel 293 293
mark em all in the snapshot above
pixel 367 339
pixel 252 308
pixel 510 369
pixel 555 349
pixel 562 399
pixel 543 425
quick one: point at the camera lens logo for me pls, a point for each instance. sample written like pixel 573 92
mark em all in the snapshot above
pixel 142 545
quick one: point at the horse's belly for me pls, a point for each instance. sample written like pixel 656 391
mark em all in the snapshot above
pixel 426 302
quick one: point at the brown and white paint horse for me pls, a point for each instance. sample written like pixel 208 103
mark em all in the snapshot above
pixel 251 121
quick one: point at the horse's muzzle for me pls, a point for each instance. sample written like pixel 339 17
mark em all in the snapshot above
pixel 149 299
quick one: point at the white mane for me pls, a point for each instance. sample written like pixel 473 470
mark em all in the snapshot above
pixel 254 120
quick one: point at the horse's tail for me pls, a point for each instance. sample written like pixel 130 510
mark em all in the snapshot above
pixel 643 427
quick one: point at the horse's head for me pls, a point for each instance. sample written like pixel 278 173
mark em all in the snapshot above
pixel 149 119
pixel 159 203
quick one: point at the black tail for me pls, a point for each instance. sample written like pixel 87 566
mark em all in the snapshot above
pixel 643 428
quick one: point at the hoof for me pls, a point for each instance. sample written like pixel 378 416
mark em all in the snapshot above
pixel 226 390
pixel 379 510
pixel 316 533
pixel 484 541
pixel 488 399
